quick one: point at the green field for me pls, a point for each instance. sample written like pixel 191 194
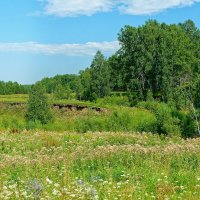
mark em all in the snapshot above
pixel 86 154
pixel 115 119
pixel 50 165
pixel 23 98
pixel 14 98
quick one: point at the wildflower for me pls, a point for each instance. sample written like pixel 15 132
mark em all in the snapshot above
pixel 55 192
pixel 48 181
pixel 56 185
pixel 5 188
pixel 182 187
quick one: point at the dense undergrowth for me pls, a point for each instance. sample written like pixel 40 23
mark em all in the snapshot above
pixel 150 116
pixel 118 119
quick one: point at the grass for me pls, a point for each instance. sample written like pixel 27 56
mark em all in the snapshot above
pixel 117 119
pixel 23 98
pixel 51 165
pixel 94 155
pixel 103 103
pixel 14 98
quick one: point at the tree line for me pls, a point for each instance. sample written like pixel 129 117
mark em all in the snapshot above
pixel 155 60
pixel 13 88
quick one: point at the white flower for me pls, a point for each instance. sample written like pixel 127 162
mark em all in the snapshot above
pixel 56 185
pixel 5 188
pixel 55 192
pixel 48 181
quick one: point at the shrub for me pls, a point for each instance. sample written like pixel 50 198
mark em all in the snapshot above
pixel 38 106
pixel 132 119
pixel 188 124
pixel 167 122
pixel 121 119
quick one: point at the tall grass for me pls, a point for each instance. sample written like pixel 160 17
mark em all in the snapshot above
pixel 117 119
pixel 51 165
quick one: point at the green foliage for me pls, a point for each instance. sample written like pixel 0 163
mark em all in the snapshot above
pixel 123 119
pixel 67 80
pixel 62 92
pixel 158 57
pixel 156 62
pixel 197 93
pixel 117 82
pixel 118 119
pixel 99 86
pixel 167 122
pixel 38 106
pixel 188 123
pixel 85 77
pixel 13 88
pixel 129 119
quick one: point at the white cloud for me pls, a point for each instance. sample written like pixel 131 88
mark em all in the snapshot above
pixel 65 8
pixel 146 7
pixel 87 49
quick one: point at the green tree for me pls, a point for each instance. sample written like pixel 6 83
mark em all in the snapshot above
pixel 78 88
pixel 100 77
pixel 38 106
pixel 85 77
pixel 116 72
pixel 62 92
pixel 157 57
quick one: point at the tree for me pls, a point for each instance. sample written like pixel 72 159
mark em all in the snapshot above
pixel 157 57
pixel 190 98
pixel 116 72
pixel 85 77
pixel 100 77
pixel 78 88
pixel 62 92
pixel 38 106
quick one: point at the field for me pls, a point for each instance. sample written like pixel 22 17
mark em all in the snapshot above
pixel 94 155
pixel 23 98
pixel 113 118
pixel 50 165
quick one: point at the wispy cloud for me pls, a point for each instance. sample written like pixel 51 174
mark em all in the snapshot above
pixel 68 8
pixel 87 49
pixel 147 7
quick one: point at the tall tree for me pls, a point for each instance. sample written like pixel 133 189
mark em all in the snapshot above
pixel 157 58
pixel 100 77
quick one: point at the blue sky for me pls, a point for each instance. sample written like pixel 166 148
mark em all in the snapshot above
pixel 41 38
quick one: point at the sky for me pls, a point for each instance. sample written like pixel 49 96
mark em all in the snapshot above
pixel 43 38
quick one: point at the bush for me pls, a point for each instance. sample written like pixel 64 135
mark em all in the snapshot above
pixel 91 124
pixel 122 119
pixel 132 119
pixel 38 106
pixel 167 122
pixel 188 124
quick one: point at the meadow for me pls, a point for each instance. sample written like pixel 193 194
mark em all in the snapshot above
pixel 115 154
pixel 111 117
pixel 134 134
pixel 114 165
